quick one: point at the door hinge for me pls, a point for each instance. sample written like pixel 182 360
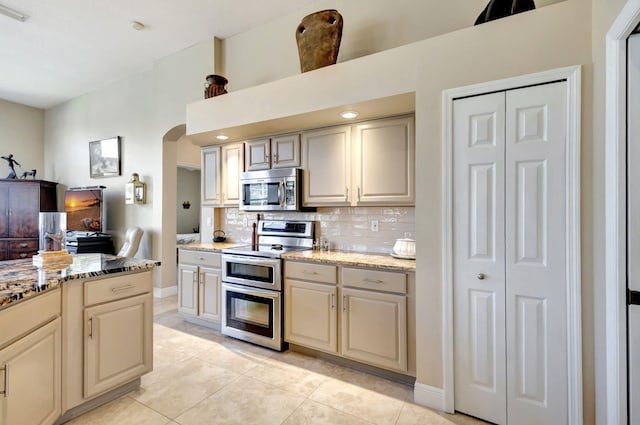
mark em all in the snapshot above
pixel 633 297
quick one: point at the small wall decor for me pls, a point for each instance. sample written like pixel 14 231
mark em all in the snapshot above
pixel 186 205
pixel 12 163
pixel 104 157
pixel 318 37
pixel 215 86
pixel 497 9
pixel 135 192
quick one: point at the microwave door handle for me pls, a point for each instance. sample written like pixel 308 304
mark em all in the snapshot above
pixel 281 193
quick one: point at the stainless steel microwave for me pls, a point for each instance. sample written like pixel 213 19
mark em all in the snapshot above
pixel 279 189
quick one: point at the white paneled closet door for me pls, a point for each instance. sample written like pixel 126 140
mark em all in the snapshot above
pixel 633 226
pixel 510 282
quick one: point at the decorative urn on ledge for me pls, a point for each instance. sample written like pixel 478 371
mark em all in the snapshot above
pixel 318 37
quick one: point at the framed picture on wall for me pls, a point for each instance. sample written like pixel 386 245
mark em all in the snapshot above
pixel 104 157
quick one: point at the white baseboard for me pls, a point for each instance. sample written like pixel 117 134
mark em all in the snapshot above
pixel 165 292
pixel 429 396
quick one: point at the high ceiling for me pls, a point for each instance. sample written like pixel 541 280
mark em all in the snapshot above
pixel 70 47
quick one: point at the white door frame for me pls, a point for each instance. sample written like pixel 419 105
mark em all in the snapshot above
pixel 615 213
pixel 574 308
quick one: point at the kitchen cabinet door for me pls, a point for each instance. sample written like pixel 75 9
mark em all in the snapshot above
pixel 209 294
pixel 210 176
pixel 311 315
pixel 327 164
pixel 232 166
pixel 188 289
pixel 257 154
pixel 285 151
pixel 4 210
pixel 374 328
pixel 383 162
pixel 31 371
pixel 118 343
pixel 24 201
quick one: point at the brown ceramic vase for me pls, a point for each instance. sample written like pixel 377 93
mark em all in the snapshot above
pixel 215 86
pixel 318 37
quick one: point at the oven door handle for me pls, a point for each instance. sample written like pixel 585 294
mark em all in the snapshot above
pixel 262 293
pixel 245 259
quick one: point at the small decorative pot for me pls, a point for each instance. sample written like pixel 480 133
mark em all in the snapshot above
pixel 214 86
pixel 318 37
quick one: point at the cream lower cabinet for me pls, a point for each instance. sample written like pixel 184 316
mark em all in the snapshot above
pixel 374 328
pixel 118 343
pixel 31 378
pixel 199 286
pixel 363 318
pixel 107 335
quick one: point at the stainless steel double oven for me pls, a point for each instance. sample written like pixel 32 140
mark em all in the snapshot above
pixel 252 282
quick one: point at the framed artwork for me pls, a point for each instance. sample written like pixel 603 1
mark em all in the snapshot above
pixel 104 157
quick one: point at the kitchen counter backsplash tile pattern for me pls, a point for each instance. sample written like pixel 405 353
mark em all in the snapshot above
pixel 346 228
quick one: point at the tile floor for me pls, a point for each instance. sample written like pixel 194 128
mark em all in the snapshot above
pixel 201 377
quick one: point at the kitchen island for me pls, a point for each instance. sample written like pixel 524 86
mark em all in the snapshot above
pixel 20 279
pixel 72 338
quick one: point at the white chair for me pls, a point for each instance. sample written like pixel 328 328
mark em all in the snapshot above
pixel 131 242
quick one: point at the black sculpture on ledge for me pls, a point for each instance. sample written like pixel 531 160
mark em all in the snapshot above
pixel 497 9
pixel 11 161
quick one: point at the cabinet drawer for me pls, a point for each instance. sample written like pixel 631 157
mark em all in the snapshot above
pixel 309 271
pixel 114 288
pixel 374 279
pixel 23 244
pixel 19 319
pixel 199 258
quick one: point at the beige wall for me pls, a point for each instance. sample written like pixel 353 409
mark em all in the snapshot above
pixel 21 134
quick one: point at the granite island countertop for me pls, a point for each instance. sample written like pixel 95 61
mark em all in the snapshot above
pixel 356 259
pixel 20 279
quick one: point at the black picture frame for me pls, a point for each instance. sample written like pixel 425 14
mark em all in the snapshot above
pixel 104 158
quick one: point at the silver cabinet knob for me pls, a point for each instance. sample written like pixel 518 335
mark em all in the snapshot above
pixel 481 276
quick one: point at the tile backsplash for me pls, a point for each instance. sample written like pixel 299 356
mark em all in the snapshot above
pixel 346 228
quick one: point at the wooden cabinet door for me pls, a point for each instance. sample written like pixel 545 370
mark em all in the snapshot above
pixel 384 162
pixel 188 289
pixel 210 175
pixel 232 166
pixel 118 343
pixel 4 210
pixel 285 151
pixel 31 378
pixel 327 164
pixel 374 328
pixel 209 294
pixel 311 315
pixel 258 155
pixel 24 207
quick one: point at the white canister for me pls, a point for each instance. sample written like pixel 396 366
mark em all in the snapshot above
pixel 405 247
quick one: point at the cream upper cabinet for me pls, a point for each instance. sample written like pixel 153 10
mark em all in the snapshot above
pixel 383 162
pixel 210 175
pixel 370 163
pixel 257 154
pixel 232 166
pixel 278 152
pixel 285 151
pixel 326 159
pixel 31 371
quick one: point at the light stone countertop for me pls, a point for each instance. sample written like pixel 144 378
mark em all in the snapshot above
pixel 210 247
pixel 356 259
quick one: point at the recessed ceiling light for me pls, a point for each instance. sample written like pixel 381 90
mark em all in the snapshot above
pixel 138 26
pixel 12 13
pixel 348 114
pixel 222 137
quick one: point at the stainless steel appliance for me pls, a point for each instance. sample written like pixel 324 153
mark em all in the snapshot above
pixel 272 190
pixel 252 282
